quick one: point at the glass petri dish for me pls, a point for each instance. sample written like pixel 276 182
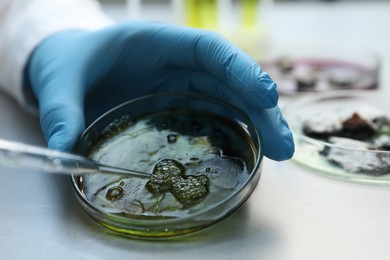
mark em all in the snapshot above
pixel 361 156
pixel 305 69
pixel 209 139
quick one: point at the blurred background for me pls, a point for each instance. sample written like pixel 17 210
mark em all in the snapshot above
pixel 267 29
pixel 353 31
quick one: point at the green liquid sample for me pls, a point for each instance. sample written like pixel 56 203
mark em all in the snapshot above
pixel 196 161
pixel 201 13
pixel 249 14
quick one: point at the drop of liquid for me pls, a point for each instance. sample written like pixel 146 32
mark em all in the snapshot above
pixel 172 138
pixel 114 193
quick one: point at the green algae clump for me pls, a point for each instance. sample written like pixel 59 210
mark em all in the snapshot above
pixel 169 176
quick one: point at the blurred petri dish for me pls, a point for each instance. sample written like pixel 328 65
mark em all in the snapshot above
pixel 343 134
pixel 302 69
pixel 211 146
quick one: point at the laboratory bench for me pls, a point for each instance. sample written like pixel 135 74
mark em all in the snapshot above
pixel 294 213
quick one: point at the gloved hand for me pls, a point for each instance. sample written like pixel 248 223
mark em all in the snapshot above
pixel 77 75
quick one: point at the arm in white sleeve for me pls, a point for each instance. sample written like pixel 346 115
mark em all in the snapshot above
pixel 24 24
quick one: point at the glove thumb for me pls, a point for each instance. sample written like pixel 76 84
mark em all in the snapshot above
pixel 57 82
pixel 61 115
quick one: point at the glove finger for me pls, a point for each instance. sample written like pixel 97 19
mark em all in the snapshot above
pixel 276 136
pixel 277 139
pixel 208 51
pixel 61 115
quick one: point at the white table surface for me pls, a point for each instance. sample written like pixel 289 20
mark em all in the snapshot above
pixel 293 214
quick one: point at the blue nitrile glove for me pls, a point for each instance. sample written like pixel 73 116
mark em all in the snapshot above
pixel 77 75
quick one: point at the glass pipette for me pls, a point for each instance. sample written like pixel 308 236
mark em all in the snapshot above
pixel 22 156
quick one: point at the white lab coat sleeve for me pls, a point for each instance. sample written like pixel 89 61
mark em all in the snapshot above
pixel 24 24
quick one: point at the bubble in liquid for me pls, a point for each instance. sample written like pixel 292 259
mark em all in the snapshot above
pixel 193 161
pixel 172 138
pixel 114 193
